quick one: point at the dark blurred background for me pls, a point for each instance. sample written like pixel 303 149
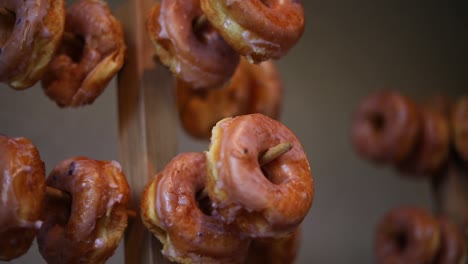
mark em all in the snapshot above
pixel 349 49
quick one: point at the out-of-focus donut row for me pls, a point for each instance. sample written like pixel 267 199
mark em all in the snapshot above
pixel 212 207
pixel 413 235
pixel 75 52
pixel 389 128
pixel 240 202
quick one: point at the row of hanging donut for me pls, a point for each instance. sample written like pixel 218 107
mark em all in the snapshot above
pixel 203 207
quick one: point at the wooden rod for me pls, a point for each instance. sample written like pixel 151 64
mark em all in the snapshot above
pixel 147 124
pixel 274 153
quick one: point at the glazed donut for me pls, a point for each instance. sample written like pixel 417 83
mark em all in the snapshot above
pixel 441 104
pixel 385 127
pixel 258 199
pixel 460 127
pixel 452 247
pixel 29 39
pixel 266 89
pixel 90 229
pixel 199 110
pixel 195 54
pixel 22 193
pixel 258 30
pixel 407 235
pixel 170 210
pixel 279 250
pixel 92 52
pixel 432 147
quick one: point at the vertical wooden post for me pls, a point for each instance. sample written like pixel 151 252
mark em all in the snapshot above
pixel 147 125
pixel 451 192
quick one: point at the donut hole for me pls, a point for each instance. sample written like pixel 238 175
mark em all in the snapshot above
pixel 401 241
pixel 377 122
pixel 7 24
pixel 73 46
pixel 204 202
pixel 203 30
pixel 59 209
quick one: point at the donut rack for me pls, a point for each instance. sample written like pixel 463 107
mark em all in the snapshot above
pixel 147 124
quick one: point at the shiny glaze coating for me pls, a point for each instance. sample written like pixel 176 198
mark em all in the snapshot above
pixel 28 44
pixel 460 127
pixel 266 89
pixel 198 56
pixel 453 246
pixel 431 151
pixel 407 235
pixel 258 30
pixel 22 194
pixel 199 110
pixel 91 228
pixel 277 250
pixel 170 210
pixel 91 53
pixel 385 127
pixel 258 199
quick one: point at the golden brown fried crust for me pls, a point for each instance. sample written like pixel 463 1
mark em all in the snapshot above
pixel 170 210
pixel 92 52
pixel 258 30
pixel 90 229
pixel 35 38
pixel 460 127
pixel 258 199
pixel 199 110
pixel 22 193
pixel 385 127
pixel 266 89
pixel 279 250
pixel 407 235
pixel 253 89
pixel 195 54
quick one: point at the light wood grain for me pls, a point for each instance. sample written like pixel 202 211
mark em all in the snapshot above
pixel 147 124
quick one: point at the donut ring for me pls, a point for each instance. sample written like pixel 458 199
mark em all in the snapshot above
pixel 35 35
pixel 407 235
pixel 170 210
pixel 278 250
pixel 90 230
pixel 199 57
pixel 240 189
pixel 266 87
pixel 460 127
pixel 431 152
pixel 199 110
pixel 385 127
pixel 22 193
pixel 452 247
pixel 92 52
pixel 258 30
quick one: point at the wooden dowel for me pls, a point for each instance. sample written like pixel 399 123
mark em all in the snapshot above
pixel 274 153
pixel 61 195
pixel 451 192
